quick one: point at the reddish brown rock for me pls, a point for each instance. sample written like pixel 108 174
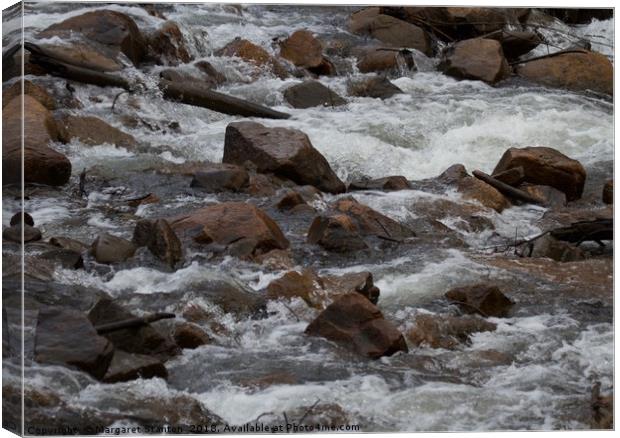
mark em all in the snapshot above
pixel 126 366
pixel 232 222
pixel 473 188
pixel 360 282
pixel 608 192
pixel 220 177
pixel 160 239
pixel 188 335
pixel 574 71
pixel 388 183
pixel 549 196
pixel 485 299
pixel 112 29
pixel 305 285
pixel 336 233
pixel 310 94
pixel 290 200
pixel 167 45
pixel 359 21
pixel 93 131
pixel 354 322
pixel 65 336
pixel 558 250
pixel 88 54
pixel 546 166
pixel 42 164
pixel 252 53
pixel 397 33
pixel 516 43
pixel 390 61
pixel 31 89
pixel 513 176
pixel 378 87
pixel 302 49
pixel 445 331
pixel 479 58
pixel 285 152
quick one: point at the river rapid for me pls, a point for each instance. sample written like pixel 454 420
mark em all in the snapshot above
pixel 534 372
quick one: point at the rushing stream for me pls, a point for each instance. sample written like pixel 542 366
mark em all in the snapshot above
pixel 535 371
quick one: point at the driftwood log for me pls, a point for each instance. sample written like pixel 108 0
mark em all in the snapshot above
pixel 595 231
pixel 79 73
pixel 505 189
pixel 198 95
pixel 132 322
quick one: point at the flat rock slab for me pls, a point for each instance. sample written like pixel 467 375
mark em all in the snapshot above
pixel 65 336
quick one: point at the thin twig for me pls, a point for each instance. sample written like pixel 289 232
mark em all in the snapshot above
pixel 308 411
pixel 116 98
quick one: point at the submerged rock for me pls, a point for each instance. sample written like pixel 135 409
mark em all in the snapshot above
pixel 546 166
pixel 378 87
pixel 336 233
pixel 66 336
pixel 285 152
pixel 159 237
pixel 93 131
pixel 167 46
pixel 577 71
pixel 188 335
pixel 230 223
pixel 354 322
pixel 219 177
pixel 42 164
pixel 254 54
pixel 310 94
pixel 388 183
pixel 446 331
pixel 485 299
pixel 127 366
pixel 112 249
pixel 608 192
pixel 14 233
pixel 479 58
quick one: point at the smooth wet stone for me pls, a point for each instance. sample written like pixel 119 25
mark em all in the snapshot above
pixel 14 234
pixel 112 249
pixel 485 299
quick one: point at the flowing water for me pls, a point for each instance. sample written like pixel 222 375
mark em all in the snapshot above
pixel 534 372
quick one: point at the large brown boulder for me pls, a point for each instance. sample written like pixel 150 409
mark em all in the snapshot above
pixel 354 322
pixel 65 336
pixel 282 151
pixel 546 166
pixel 88 54
pixel 302 49
pixel 312 93
pixel 254 54
pixel 32 90
pixel 230 223
pixel 577 71
pixel 484 299
pixel 398 33
pixel 167 46
pixel 93 131
pixel 477 58
pixel 42 164
pixel 112 29
pixel 385 61
pixel 108 248
pixel 475 189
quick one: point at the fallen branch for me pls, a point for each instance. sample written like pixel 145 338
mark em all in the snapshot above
pixel 132 322
pixel 595 230
pixel 507 190
pixel 193 94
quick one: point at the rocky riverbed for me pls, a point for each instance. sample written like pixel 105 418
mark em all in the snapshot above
pixel 250 217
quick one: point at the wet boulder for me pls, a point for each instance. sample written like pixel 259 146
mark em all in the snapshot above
pixel 68 243
pixel 516 43
pixel 387 184
pixel 108 248
pixel 546 166
pixel 42 164
pixel 336 233
pixel 93 131
pixel 513 176
pixel 161 240
pixel 290 201
pixel 166 45
pixel 397 33
pixel 213 74
pixel 294 284
pixel 86 54
pixel 549 196
pixel 549 247
pixel 254 54
pixel 480 21
pixel 354 322
pixel 31 89
pixel 378 87
pixel 112 29
pixel 446 331
pixel 485 299
pixel 65 336
pixel 310 94
pixel 144 339
pixel 66 258
pixel 608 192
pixel 360 282
pixel 221 177
pixel 282 151
pixel 14 233
pixel 389 61
pixel 576 71
pixel 479 58
pixel 302 49
pixel 230 223
pixel 188 335
pixel 475 189
pixel 127 366
pixel 360 20
pixel 372 223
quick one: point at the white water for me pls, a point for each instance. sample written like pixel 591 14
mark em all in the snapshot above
pixel 437 122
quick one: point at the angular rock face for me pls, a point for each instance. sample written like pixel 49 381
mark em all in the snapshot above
pixel 220 177
pixel 546 166
pixel 483 298
pixel 93 131
pixel 110 28
pixel 388 183
pixel 282 151
pixel 479 58
pixel 42 164
pixel 159 237
pixel 88 54
pixel 302 49
pixel 250 52
pixel 336 233
pixel 385 61
pixel 473 188
pixel 232 222
pixel 354 322
pixel 139 340
pixel 127 366
pixel 66 336
pixel 167 45
pixel 112 249
pixel 312 93
pixel 574 71
pixel 445 331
